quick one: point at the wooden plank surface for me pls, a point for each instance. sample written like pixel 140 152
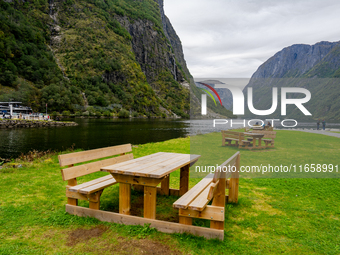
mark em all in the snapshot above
pixel 142 169
pixel 138 180
pixel 210 213
pixel 97 187
pixel 90 183
pixel 147 158
pixel 163 226
pixel 81 170
pixel 165 170
pixel 212 190
pixel 83 156
pixel 155 166
pixel 201 201
pixel 188 197
pixel 140 164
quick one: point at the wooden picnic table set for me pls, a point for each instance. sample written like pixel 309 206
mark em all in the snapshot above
pixel 249 139
pixel 150 174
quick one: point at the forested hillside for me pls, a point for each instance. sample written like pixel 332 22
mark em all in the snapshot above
pixel 108 54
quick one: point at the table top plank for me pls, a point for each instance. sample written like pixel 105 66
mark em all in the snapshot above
pixel 140 165
pixel 167 169
pixel 145 158
pixel 156 165
pixel 143 170
pixel 254 134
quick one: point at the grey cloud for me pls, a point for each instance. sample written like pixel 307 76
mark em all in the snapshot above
pixel 231 38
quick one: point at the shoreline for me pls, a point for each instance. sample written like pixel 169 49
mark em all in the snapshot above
pixel 9 124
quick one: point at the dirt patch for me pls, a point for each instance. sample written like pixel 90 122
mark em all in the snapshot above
pixel 145 246
pixel 82 235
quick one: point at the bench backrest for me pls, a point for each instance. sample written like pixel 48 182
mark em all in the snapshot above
pixel 223 174
pixel 232 134
pixel 79 157
pixel 267 134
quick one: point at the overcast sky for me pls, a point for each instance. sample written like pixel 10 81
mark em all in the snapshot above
pixel 232 38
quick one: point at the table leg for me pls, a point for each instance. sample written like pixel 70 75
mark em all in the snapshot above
pixel 259 142
pixel 254 142
pixel 165 186
pixel 150 194
pixel 124 198
pixel 184 180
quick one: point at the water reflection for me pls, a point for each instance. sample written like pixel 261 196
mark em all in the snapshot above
pixel 90 134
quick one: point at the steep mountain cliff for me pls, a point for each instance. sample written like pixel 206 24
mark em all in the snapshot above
pixel 106 54
pixel 314 67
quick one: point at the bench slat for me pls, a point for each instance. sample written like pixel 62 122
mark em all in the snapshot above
pixel 89 183
pixel 83 156
pixel 189 196
pixel 201 201
pixel 81 170
pixel 98 186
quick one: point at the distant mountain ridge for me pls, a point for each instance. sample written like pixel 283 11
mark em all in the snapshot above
pixel 302 60
pixel 314 67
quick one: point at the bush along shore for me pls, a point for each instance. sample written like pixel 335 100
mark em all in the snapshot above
pixel 34 123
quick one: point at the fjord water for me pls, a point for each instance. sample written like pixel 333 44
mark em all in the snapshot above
pixel 98 133
pixel 90 134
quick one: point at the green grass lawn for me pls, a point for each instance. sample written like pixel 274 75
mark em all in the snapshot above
pixel 274 215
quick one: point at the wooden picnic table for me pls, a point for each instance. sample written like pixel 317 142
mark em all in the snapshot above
pixel 149 171
pixel 255 136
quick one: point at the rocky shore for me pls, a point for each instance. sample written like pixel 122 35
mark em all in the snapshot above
pixel 4 124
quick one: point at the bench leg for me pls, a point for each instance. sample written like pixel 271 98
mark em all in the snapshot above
pixel 185 220
pixel 219 200
pixel 72 201
pixel 96 205
pixel 223 141
pixel 150 194
pixel 234 183
pixel 124 198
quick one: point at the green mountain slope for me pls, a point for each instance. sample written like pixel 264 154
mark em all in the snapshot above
pixel 75 53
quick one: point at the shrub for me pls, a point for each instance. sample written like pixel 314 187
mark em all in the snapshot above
pixel 66 113
pixel 107 113
pixel 123 113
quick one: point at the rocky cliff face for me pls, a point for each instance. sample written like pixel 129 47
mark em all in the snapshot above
pixel 173 38
pixel 314 67
pixel 296 61
pixel 152 52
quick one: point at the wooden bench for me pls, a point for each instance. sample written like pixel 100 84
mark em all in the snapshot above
pixel 268 137
pixel 233 136
pixel 91 190
pixel 194 203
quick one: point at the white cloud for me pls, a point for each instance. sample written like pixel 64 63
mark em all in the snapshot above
pixel 231 38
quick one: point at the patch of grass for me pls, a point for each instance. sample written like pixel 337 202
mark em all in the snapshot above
pixel 292 216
